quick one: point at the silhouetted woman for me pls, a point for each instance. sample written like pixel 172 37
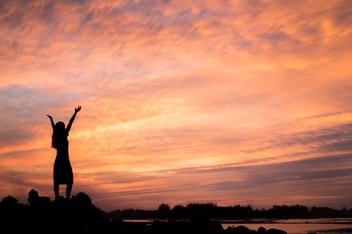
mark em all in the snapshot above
pixel 62 167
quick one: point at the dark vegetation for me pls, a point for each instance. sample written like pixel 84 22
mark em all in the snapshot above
pixel 80 215
pixel 212 211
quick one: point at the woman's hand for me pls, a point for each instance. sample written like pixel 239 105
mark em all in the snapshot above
pixel 78 108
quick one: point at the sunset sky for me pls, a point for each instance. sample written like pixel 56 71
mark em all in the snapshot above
pixel 230 102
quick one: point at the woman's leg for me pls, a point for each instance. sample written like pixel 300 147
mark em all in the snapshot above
pixel 56 191
pixel 68 191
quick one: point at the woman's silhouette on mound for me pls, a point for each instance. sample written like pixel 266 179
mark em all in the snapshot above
pixel 62 173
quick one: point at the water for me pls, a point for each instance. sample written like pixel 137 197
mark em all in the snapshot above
pixel 299 226
pixel 291 226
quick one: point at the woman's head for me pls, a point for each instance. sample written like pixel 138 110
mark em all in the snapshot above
pixel 59 136
pixel 60 125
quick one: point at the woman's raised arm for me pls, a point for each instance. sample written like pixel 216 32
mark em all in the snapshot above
pixel 77 109
pixel 51 121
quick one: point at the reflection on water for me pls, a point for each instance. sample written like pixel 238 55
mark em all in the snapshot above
pixel 299 226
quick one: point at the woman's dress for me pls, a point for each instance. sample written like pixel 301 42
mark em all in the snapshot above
pixel 62 167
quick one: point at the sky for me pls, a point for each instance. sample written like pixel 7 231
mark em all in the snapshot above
pixel 229 102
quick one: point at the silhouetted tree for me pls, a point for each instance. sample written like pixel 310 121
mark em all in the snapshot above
pixel 179 212
pixel 164 210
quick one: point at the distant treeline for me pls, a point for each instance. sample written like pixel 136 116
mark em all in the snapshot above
pixel 211 210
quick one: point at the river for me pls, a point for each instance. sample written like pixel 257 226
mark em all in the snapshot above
pixel 291 226
pixel 298 226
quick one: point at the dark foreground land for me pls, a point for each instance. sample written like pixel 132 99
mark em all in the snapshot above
pixel 79 215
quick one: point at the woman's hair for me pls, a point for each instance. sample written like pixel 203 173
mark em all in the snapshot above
pixel 59 136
